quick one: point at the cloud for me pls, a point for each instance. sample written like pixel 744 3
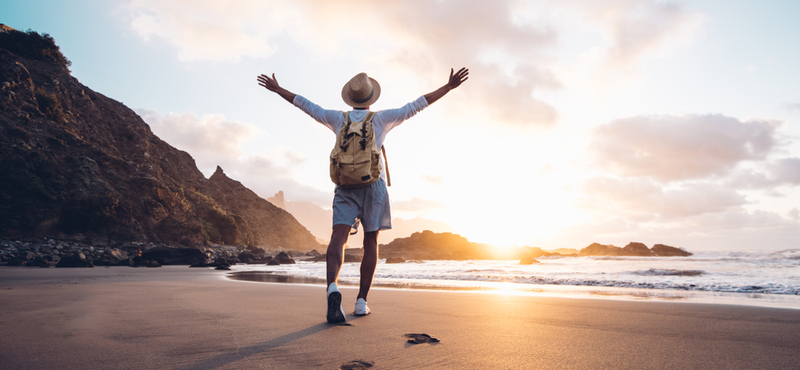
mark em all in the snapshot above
pixel 422 36
pixel 211 133
pixel 683 177
pixel 509 45
pixel 636 28
pixel 433 180
pixel 417 205
pixel 670 148
pixel 792 107
pixel 208 29
pixel 508 60
pixel 784 171
pixel 646 200
pixel 753 222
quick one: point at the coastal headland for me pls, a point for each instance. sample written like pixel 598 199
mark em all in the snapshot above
pixel 175 317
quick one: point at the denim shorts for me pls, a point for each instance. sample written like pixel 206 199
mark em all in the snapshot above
pixel 368 205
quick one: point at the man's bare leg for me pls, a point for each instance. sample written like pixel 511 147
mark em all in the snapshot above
pixel 335 253
pixel 368 263
pixel 335 258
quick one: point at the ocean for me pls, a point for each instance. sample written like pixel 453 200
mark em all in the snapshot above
pixel 770 279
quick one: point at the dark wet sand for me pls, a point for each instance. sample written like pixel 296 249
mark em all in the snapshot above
pixel 181 318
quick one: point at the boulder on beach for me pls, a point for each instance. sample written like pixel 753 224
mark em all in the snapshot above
pixel 104 260
pixel 16 261
pixel 256 250
pixel 219 261
pixel 114 257
pixel 283 258
pixel 353 254
pixel 251 258
pixel 397 259
pixel 247 257
pixel 140 262
pixel 174 256
pixel 352 258
pixel 74 260
pixel 321 258
pixel 273 262
pixel 37 261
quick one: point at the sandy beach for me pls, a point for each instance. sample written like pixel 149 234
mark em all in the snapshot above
pixel 180 318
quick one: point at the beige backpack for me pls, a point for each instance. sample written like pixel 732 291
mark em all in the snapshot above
pixel 355 160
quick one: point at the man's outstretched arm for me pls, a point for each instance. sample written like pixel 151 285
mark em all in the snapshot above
pixel 271 84
pixel 455 81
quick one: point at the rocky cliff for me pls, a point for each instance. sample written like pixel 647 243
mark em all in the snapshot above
pixel 77 165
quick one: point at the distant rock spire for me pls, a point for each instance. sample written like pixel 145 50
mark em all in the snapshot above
pixel 278 200
pixel 218 175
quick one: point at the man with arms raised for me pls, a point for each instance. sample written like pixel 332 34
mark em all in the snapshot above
pixel 369 203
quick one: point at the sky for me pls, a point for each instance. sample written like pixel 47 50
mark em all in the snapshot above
pixel 672 122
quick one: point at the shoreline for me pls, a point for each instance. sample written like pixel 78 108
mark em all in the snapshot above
pixel 181 318
pixel 629 294
pixel 783 301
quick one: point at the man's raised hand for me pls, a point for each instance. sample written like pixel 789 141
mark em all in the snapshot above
pixel 268 83
pixel 458 78
pixel 271 84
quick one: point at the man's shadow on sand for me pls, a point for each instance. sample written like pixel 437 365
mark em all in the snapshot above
pixel 242 353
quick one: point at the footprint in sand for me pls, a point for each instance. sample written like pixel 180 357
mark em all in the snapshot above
pixel 420 338
pixel 355 365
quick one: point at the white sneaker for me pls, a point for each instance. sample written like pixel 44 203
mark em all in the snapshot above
pixel 361 307
pixel 335 310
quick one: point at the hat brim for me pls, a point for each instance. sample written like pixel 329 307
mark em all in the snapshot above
pixel 376 93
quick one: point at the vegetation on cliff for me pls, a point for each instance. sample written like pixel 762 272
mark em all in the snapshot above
pixel 33 45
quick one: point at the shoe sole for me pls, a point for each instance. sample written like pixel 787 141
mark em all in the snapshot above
pixel 335 311
pixel 360 314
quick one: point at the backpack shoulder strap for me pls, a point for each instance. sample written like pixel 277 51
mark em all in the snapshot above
pixel 369 118
pixel 386 161
pixel 342 134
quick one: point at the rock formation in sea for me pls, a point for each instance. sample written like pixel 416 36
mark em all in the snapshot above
pixel 667 251
pixel 636 249
pixel 633 249
pixel 427 245
pixel 77 165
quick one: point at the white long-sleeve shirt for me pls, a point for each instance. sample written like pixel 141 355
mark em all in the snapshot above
pixel 383 121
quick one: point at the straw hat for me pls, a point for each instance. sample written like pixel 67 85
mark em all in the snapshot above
pixel 361 91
